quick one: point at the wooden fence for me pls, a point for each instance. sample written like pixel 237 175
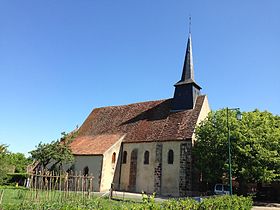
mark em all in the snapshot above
pixel 61 181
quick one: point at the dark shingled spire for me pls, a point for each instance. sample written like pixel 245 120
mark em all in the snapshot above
pixel 186 90
pixel 188 64
pixel 188 69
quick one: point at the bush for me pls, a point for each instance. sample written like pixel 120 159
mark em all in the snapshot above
pixel 212 203
pixel 180 204
pixel 79 202
pixel 16 178
pixel 226 203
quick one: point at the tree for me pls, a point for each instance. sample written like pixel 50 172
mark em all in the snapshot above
pixel 255 146
pixel 55 153
pixel 19 161
pixel 11 162
pixel 3 163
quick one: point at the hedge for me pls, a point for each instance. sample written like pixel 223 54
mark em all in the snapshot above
pixel 16 178
pixel 148 203
pixel 212 203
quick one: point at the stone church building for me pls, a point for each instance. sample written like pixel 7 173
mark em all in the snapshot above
pixel 145 146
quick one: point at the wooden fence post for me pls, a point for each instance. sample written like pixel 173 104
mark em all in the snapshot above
pixel 111 191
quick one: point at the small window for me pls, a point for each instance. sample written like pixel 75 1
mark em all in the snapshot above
pixel 114 157
pixel 146 157
pixel 86 170
pixel 170 156
pixel 124 157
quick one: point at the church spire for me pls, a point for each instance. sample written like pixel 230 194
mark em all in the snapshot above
pixel 188 69
pixel 186 90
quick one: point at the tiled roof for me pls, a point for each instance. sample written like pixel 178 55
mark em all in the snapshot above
pixel 93 145
pixel 141 122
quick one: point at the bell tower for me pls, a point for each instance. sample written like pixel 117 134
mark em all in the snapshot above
pixel 186 90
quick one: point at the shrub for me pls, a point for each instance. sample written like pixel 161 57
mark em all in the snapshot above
pixel 180 204
pixel 79 202
pixel 16 178
pixel 226 203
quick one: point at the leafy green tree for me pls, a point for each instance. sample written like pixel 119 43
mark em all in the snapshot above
pixel 255 146
pixel 3 163
pixel 19 161
pixel 53 154
pixel 10 163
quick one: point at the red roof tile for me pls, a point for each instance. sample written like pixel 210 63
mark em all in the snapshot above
pixel 93 145
pixel 141 122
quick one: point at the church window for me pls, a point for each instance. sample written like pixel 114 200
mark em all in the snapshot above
pixel 170 156
pixel 114 157
pixel 146 157
pixel 124 157
pixel 86 170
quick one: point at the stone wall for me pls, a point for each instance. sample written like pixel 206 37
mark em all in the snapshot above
pixel 144 172
pixel 158 176
pixel 158 169
pixel 185 176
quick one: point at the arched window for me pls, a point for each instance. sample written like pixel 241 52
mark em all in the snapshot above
pixel 114 157
pixel 86 169
pixel 146 157
pixel 170 156
pixel 124 157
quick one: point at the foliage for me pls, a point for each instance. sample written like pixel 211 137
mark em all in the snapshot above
pixel 149 201
pixel 20 199
pixel 18 178
pixel 212 203
pixel 180 204
pixel 55 153
pixel 3 163
pixel 19 161
pixel 255 146
pixel 10 163
pixel 226 203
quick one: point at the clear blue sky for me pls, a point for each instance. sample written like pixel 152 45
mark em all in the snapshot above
pixel 59 59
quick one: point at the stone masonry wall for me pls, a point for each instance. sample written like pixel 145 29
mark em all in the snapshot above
pixel 185 184
pixel 158 169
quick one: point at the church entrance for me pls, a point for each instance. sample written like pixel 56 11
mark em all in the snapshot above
pixel 133 170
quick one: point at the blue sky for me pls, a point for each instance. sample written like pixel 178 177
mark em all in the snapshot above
pixel 59 59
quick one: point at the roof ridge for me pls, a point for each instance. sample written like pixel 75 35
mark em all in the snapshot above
pixel 123 105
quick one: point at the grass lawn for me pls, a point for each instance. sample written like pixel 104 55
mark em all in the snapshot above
pixel 12 194
pixel 18 197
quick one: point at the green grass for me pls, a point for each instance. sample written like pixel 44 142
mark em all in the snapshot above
pixel 12 194
pixel 22 198
pixel 25 199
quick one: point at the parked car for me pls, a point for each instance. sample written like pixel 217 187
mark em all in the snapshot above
pixel 221 189
pixel 198 199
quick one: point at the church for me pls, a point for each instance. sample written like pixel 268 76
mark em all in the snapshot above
pixel 145 146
